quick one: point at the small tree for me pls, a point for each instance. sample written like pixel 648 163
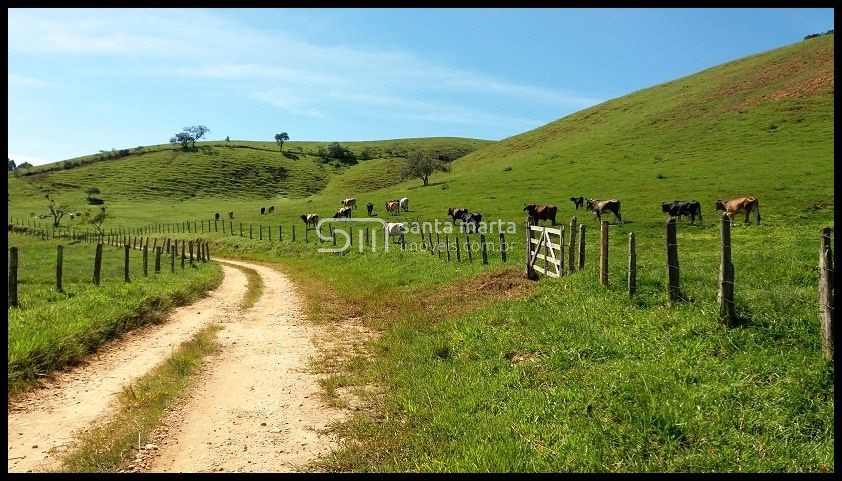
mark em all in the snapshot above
pixel 97 219
pixel 421 164
pixel 12 165
pixel 57 211
pixel 189 135
pixel 24 165
pixel 280 139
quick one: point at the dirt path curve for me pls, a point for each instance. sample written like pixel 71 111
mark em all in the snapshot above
pixel 257 408
pixel 43 422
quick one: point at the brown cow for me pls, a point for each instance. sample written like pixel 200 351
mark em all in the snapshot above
pixel 736 206
pixel 352 202
pixel 343 212
pixel 456 212
pixel 538 212
pixel 393 207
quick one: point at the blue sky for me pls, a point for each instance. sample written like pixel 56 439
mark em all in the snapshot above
pixel 84 80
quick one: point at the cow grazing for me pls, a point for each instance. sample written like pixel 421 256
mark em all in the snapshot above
pixel 230 214
pixel 262 210
pixel 736 206
pixel 343 212
pixel 677 208
pixel 310 220
pixel 393 207
pixel 370 208
pixel 538 212
pixel 352 202
pixel 577 201
pixel 456 213
pixel 404 204
pixel 599 207
pixel 394 229
pixel 470 221
pixel 271 209
pixel 216 217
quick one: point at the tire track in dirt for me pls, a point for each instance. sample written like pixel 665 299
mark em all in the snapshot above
pixel 43 421
pixel 256 409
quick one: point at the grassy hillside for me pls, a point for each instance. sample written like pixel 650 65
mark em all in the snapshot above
pixel 571 376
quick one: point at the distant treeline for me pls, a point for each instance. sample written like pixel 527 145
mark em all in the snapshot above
pixel 814 35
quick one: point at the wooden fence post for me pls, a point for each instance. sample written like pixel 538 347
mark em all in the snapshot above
pixel 59 267
pixel 207 251
pixel 826 301
pixel 307 233
pixel 438 245
pixel 632 265
pixel 97 263
pixel 726 275
pixel 581 262
pixel 530 272
pixel 126 262
pixel 191 253
pixel 269 231
pixel 216 225
pixel 430 238
pixel 293 232
pixel 503 247
pixel 447 246
pixel 561 250
pixel 468 248
pixel 172 259
pixel 484 249
pixel 366 235
pixel 157 260
pixel 571 257
pixel 280 233
pixel 182 253
pixel 672 263
pixel 458 254
pixel 603 253
pixel 145 261
pixel 13 276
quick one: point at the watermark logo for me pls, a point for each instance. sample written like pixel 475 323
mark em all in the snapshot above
pixel 341 233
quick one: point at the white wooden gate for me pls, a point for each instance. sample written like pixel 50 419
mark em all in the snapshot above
pixel 552 242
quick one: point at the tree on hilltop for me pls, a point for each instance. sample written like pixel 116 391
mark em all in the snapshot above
pixel 189 135
pixel 422 164
pixel 280 139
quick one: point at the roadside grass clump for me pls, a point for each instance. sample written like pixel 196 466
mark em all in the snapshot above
pixel 108 446
pixel 52 330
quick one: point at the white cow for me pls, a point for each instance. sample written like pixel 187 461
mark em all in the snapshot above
pixel 395 229
pixel 405 204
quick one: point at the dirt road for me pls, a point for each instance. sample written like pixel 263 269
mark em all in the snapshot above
pixel 254 409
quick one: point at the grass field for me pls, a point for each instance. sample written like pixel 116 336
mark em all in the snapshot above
pixel 477 370
pixel 51 329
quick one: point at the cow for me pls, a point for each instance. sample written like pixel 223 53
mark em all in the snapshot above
pixel 262 210
pixel 736 206
pixel 393 207
pixel 216 217
pixel 538 212
pixel 230 214
pixel 456 213
pixel 395 229
pixel 404 204
pixel 370 208
pixel 677 208
pixel 310 219
pixel 599 207
pixel 352 202
pixel 470 221
pixel 271 209
pixel 577 201
pixel 343 212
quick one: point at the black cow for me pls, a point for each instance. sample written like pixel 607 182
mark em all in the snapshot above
pixel 217 216
pixel 456 213
pixel 370 208
pixel 470 221
pixel 262 210
pixel 578 201
pixel 677 208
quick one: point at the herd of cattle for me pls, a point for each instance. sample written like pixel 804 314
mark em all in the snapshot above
pixel 537 212
pixel 676 208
